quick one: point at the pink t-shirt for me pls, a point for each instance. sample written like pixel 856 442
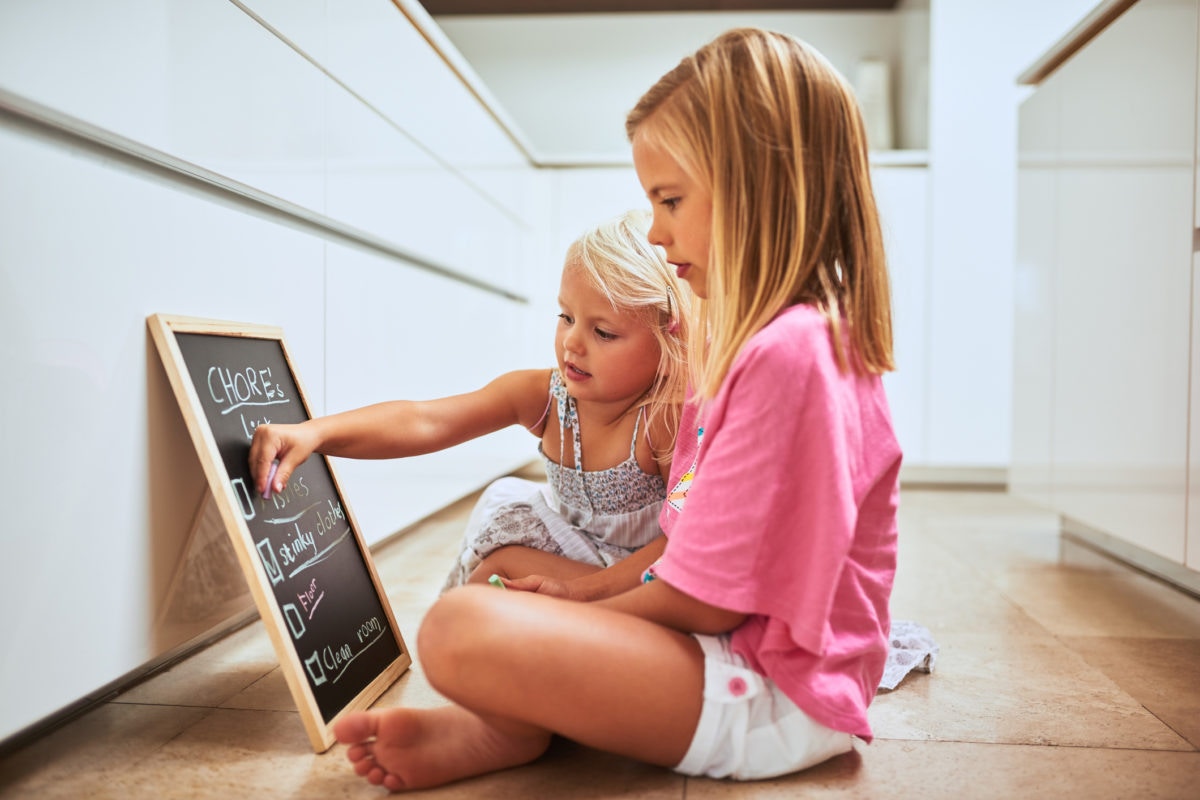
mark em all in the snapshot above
pixel 783 507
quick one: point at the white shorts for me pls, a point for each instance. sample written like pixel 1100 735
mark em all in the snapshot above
pixel 749 729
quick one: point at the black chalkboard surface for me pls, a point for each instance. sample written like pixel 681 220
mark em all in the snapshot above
pixel 310 573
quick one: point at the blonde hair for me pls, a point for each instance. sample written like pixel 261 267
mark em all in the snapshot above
pixel 619 261
pixel 774 132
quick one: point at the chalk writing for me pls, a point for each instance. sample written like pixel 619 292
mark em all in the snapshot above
pixel 369 629
pixel 248 387
pixel 295 620
pixel 315 673
pixel 328 520
pixel 244 500
pixel 309 598
pixel 248 425
pixel 296 489
pixel 318 573
pixel 268 561
pixel 320 556
pixel 337 659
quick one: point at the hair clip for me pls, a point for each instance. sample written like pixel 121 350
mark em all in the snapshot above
pixel 673 325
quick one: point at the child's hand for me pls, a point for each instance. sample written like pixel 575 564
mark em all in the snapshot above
pixel 540 584
pixel 290 445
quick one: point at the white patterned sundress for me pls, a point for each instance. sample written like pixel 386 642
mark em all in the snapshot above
pixel 596 517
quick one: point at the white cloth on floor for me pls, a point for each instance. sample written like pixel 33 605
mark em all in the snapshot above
pixel 910 647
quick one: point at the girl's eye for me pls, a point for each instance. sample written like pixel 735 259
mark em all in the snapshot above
pixel 566 318
pixel 670 202
pixel 605 336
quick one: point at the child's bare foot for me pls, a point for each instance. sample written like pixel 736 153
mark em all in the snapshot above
pixel 405 748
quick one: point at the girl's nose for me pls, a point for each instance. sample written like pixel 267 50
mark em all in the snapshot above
pixel 656 234
pixel 571 340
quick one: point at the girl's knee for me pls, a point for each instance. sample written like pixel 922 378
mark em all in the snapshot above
pixel 455 632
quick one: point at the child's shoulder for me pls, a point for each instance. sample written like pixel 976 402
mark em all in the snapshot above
pixel 800 319
pixel 529 380
pixel 527 391
pixel 798 334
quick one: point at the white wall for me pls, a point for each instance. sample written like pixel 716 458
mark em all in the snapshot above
pixel 977 50
pixel 569 80
pixel 306 164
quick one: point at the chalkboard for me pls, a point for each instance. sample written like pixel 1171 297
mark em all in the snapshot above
pixel 311 575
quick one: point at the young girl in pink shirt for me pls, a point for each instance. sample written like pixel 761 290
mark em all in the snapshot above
pixel 753 643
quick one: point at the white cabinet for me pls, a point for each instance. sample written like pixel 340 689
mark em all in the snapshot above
pixel 407 334
pixel 1033 298
pixel 271 162
pixel 1104 301
pixel 902 195
pixel 1192 545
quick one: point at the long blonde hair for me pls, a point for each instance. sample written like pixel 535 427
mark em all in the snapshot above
pixel 775 133
pixel 619 261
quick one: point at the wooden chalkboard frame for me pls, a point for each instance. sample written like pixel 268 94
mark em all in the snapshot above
pixel 163 330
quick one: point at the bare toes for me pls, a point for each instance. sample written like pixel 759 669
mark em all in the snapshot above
pixel 358 752
pixel 355 727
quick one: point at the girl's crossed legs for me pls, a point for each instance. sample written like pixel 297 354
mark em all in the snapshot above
pixel 520 667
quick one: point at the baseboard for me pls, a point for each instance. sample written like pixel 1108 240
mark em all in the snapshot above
pixel 1152 564
pixel 977 479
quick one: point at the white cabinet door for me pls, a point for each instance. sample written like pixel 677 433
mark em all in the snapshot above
pixel 397 332
pixel 1030 470
pixel 1192 545
pixel 1122 298
pixel 902 195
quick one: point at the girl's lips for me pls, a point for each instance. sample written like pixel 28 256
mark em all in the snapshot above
pixel 576 373
pixel 681 269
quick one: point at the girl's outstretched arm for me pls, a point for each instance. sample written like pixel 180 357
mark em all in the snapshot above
pixel 401 428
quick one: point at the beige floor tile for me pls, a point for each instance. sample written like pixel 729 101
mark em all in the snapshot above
pixel 1080 602
pixel 973 508
pixel 992 552
pixel 268 693
pixel 111 738
pixel 938 590
pixel 957 771
pixel 1017 690
pixel 235 753
pixel 211 676
pixel 1161 674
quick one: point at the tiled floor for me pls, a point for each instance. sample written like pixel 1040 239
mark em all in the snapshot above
pixel 1061 675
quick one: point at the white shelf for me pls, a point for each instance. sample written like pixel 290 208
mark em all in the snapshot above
pixel 900 158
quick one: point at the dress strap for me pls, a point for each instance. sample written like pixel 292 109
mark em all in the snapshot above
pixel 545 413
pixel 636 424
pixel 568 417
